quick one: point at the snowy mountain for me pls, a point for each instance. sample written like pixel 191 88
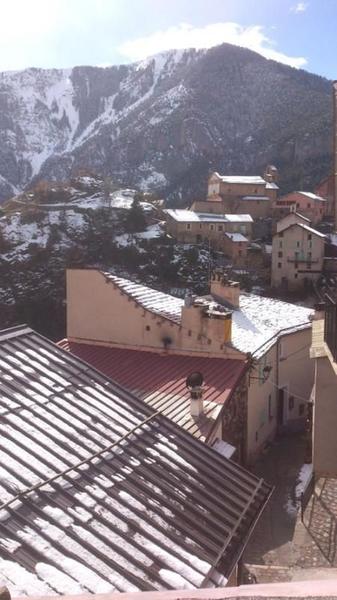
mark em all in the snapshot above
pixel 163 123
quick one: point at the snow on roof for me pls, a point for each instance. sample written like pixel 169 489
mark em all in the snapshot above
pixel 188 216
pixel 270 185
pixel 255 323
pixel 239 218
pixel 253 179
pixel 256 198
pixel 312 196
pixel 236 237
pixel 162 304
pixel 260 319
pixel 307 228
pixel 100 493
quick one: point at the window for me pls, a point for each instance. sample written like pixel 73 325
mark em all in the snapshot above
pixel 212 227
pixel 309 236
pixel 147 327
pixel 310 244
pixel 280 234
pixel 309 255
pixel 291 402
pixel 297 244
pixel 280 244
pixel 296 265
pixel 296 255
pixel 280 254
pixel 256 436
pixel 200 226
pixel 279 265
pixel 308 205
pixel 188 226
pixel 295 276
pixel 301 409
pixel 220 228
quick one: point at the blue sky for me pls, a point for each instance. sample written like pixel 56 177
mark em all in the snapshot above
pixel 65 33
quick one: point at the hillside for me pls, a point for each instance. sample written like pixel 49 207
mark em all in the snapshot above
pixel 163 123
pixel 78 224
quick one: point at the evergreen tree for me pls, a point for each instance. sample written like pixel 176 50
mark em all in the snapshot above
pixel 135 219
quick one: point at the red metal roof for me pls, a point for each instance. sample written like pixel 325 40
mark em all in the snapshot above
pixel 159 379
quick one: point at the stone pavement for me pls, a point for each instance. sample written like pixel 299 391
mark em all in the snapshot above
pixel 281 545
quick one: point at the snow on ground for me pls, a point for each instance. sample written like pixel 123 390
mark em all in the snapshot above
pixel 152 231
pixel 303 478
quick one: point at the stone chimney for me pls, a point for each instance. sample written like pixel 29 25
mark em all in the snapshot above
pixel 225 290
pixel 207 321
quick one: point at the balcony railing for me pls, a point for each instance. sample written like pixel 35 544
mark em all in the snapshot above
pixel 330 326
pixel 301 259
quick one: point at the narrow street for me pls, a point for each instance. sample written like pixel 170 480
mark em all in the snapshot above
pixel 281 545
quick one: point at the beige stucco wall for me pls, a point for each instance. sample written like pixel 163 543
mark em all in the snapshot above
pixel 290 219
pixel 286 243
pixel 325 419
pixel 99 312
pixel 292 369
pixel 296 374
pixel 261 425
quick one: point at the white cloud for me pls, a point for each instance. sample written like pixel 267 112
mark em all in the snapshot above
pixel 300 7
pixel 187 36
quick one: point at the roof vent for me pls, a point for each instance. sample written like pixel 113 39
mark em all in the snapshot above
pixel 194 384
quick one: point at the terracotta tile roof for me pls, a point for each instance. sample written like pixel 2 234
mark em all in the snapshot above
pixel 159 379
pixel 99 493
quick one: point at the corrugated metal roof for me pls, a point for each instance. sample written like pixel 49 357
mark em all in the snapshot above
pixel 159 379
pixel 101 493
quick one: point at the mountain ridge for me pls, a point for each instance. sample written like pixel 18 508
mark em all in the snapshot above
pixel 165 122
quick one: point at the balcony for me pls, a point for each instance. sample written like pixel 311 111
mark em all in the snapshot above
pixel 330 326
pixel 301 258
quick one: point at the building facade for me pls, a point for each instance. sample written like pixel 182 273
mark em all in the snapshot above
pixel 239 194
pixel 226 233
pixel 227 327
pixel 297 256
pixel 324 355
pixel 306 203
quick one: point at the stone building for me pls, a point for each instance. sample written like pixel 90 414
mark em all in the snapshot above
pixel 306 203
pixel 297 254
pixel 229 233
pixel 239 194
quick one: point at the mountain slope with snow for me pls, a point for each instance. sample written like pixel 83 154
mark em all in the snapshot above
pixel 163 123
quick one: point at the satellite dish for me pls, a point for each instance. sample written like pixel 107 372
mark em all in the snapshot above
pixel 196 379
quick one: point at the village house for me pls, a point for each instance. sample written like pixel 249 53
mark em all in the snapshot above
pixel 229 233
pixel 226 328
pixel 324 355
pixel 101 493
pixel 239 195
pixel 297 254
pixel 306 203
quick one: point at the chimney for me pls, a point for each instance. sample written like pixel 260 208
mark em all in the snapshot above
pixel 334 150
pixel 225 290
pixel 194 385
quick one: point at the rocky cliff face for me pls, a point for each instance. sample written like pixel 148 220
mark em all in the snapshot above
pixel 162 124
